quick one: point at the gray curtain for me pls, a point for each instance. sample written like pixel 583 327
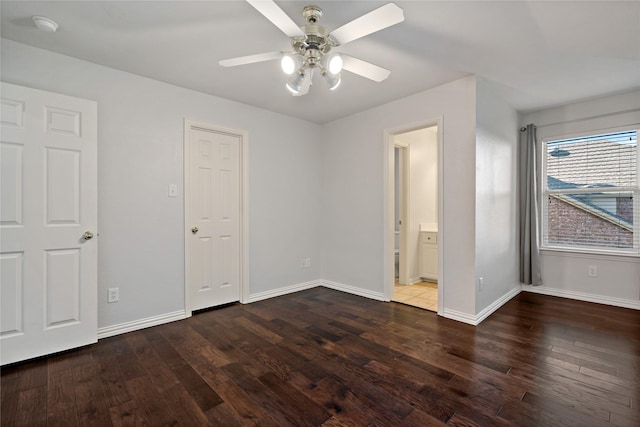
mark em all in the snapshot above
pixel 530 273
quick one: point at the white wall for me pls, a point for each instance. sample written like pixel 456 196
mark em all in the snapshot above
pixel 496 198
pixel 423 186
pixel 140 146
pixel 331 210
pixel 353 227
pixel 565 274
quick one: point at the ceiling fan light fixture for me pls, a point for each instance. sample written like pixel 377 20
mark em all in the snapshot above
pixel 335 64
pixel 296 82
pixel 288 64
pixel 311 45
pixel 333 80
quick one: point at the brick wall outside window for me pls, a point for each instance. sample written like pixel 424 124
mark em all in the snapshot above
pixel 570 225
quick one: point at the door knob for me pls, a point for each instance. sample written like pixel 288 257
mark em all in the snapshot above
pixel 87 235
pixel 194 229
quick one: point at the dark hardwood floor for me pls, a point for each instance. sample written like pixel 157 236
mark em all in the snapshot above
pixel 322 357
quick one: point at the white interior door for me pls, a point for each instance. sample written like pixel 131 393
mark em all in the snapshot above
pixel 214 212
pixel 48 215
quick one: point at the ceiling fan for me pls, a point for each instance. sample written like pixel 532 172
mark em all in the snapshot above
pixel 311 45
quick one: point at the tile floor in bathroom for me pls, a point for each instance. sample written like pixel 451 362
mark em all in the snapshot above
pixel 422 294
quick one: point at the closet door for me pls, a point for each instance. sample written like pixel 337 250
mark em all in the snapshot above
pixel 214 209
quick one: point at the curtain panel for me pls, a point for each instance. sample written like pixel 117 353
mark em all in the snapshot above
pixel 530 271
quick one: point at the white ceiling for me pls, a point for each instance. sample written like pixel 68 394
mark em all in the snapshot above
pixel 540 53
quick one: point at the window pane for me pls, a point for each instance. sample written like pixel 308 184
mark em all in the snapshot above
pixel 599 161
pixel 603 219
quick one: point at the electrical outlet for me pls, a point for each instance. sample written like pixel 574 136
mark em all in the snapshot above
pixel 307 262
pixel 113 295
pixel 480 283
pixel 592 271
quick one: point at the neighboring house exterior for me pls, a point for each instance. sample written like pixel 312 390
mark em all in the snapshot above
pixel 599 218
pixel 575 223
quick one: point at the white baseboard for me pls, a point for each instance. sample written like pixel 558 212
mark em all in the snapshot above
pixel 412 281
pixel 283 291
pixel 459 316
pixel 109 331
pixel 475 320
pixel 352 290
pixel 121 328
pixel 497 304
pixel 582 296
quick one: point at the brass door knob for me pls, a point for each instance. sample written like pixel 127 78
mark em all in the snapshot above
pixel 87 235
pixel 194 229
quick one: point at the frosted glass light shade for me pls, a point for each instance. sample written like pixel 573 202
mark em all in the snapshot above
pixel 335 64
pixel 333 80
pixel 288 64
pixel 295 83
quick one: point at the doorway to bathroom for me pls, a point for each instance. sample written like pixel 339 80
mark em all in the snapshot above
pixel 415 197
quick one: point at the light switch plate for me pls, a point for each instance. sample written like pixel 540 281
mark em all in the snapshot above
pixel 173 190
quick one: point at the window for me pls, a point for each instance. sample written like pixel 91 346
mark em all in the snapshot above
pixel 590 193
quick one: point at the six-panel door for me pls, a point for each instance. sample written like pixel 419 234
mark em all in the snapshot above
pixel 214 206
pixel 48 265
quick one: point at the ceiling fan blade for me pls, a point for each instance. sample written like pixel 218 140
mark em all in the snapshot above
pixel 273 13
pixel 376 20
pixel 250 59
pixel 364 68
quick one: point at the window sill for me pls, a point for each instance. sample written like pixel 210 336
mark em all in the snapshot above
pixel 591 254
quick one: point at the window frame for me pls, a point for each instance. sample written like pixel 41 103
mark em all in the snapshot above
pixel 544 192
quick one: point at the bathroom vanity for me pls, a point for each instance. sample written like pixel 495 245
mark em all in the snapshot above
pixel 428 265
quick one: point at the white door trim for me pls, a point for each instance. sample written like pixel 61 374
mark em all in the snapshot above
pixel 388 206
pixel 244 206
pixel 405 201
